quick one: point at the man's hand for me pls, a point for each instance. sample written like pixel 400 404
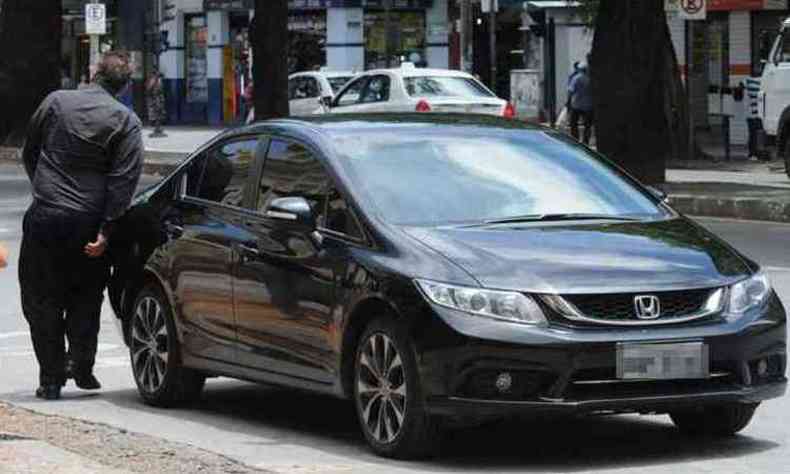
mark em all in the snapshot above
pixel 96 249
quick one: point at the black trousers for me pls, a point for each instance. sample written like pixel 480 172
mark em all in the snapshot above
pixel 755 125
pixel 587 118
pixel 62 288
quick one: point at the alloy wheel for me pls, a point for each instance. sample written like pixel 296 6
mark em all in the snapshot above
pixel 149 344
pixel 381 388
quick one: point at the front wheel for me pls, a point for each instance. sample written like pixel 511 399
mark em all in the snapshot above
pixel 155 353
pixel 716 420
pixel 387 394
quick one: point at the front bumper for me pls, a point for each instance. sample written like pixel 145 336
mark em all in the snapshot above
pixel 574 370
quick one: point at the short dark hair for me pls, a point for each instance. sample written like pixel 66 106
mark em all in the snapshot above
pixel 114 71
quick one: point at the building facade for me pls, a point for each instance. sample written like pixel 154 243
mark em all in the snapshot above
pixel 207 62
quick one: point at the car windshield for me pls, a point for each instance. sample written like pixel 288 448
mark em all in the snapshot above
pixel 337 83
pixel 445 86
pixel 482 176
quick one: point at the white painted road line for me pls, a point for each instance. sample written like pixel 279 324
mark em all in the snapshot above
pixel 10 335
pixel 776 269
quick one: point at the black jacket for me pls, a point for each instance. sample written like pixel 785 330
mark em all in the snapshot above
pixel 84 152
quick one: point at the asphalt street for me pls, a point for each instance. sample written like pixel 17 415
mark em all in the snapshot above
pixel 287 431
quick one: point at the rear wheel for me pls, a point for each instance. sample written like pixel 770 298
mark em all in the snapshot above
pixel 155 353
pixel 387 394
pixel 715 420
pixel 786 154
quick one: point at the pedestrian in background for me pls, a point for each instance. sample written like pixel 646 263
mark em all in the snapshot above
pixel 581 102
pixel 155 97
pixel 83 155
pixel 753 120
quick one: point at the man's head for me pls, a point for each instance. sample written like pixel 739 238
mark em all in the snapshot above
pixel 114 71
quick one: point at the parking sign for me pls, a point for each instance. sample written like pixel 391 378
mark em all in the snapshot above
pixel 95 19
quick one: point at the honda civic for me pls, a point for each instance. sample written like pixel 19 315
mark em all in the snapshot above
pixel 434 269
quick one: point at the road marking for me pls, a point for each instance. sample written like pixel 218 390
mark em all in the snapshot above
pixel 10 335
pixel 4 230
pixel 777 269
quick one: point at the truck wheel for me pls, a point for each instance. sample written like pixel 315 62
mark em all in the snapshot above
pixel 715 420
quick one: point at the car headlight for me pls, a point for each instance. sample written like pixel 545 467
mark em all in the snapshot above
pixel 748 294
pixel 505 305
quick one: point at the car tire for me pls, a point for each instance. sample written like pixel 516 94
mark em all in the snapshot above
pixel 390 406
pixel 786 154
pixel 155 353
pixel 715 420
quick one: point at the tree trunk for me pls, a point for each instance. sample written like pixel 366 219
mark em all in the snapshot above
pixel 30 36
pixel 639 99
pixel 269 35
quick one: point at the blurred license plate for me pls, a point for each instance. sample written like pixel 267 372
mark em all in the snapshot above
pixel 688 360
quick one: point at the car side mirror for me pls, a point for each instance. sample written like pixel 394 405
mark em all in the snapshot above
pixel 658 194
pixel 292 209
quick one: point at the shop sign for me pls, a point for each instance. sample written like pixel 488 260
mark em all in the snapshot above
pixel 228 5
pixel 687 9
pixel 95 19
pixel 732 5
pixel 373 4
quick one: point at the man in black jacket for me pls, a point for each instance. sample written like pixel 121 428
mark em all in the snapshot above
pixel 84 157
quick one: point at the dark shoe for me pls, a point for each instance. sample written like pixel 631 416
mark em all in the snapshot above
pixel 87 381
pixel 84 379
pixel 48 392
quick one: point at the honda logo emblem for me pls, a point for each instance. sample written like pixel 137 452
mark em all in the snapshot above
pixel 647 307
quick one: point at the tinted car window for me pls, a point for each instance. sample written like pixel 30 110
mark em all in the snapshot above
pixel 337 83
pixel 484 174
pixel 351 94
pixel 339 217
pixel 291 170
pixel 445 87
pixel 225 174
pixel 377 90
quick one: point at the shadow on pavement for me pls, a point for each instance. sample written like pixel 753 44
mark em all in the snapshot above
pixel 285 417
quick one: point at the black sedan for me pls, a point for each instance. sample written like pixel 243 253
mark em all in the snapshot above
pixel 439 268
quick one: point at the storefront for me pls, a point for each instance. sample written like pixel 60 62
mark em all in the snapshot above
pixel 208 62
pixel 719 53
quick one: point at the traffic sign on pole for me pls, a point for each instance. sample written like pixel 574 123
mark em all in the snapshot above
pixel 692 9
pixel 95 19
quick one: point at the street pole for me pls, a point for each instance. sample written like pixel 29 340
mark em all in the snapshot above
pixel 466 35
pixel 690 104
pixel 492 44
pixel 388 30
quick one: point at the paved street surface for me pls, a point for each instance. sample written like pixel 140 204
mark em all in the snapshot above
pixel 287 431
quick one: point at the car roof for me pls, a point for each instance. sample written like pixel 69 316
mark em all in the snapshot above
pixel 419 72
pixel 323 73
pixel 345 124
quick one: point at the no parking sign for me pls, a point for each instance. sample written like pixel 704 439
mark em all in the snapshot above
pixel 95 19
pixel 688 9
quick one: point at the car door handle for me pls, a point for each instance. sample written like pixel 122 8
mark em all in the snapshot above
pixel 174 230
pixel 246 252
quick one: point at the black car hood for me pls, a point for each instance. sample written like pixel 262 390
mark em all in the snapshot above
pixel 590 257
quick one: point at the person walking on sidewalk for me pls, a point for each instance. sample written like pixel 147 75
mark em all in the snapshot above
pixel 581 102
pixel 83 155
pixel 753 120
pixel 155 101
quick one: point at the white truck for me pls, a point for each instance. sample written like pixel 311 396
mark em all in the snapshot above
pixel 775 94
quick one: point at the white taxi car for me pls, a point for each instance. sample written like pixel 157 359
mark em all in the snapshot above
pixel 410 89
pixel 307 89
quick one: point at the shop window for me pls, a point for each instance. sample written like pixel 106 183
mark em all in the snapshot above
pixel 196 59
pixel 405 38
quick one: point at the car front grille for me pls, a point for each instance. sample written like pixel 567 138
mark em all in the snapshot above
pixel 620 308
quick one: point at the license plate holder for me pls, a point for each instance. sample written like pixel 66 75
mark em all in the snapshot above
pixel 663 361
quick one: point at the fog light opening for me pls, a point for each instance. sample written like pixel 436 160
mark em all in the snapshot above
pixel 762 368
pixel 503 382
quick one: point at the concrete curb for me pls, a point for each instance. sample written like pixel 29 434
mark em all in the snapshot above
pixel 748 208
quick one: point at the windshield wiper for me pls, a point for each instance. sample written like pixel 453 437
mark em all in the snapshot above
pixel 568 216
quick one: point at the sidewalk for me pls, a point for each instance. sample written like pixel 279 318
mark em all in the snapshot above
pixel 20 455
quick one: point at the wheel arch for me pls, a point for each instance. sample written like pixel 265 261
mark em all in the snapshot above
pixel 363 313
